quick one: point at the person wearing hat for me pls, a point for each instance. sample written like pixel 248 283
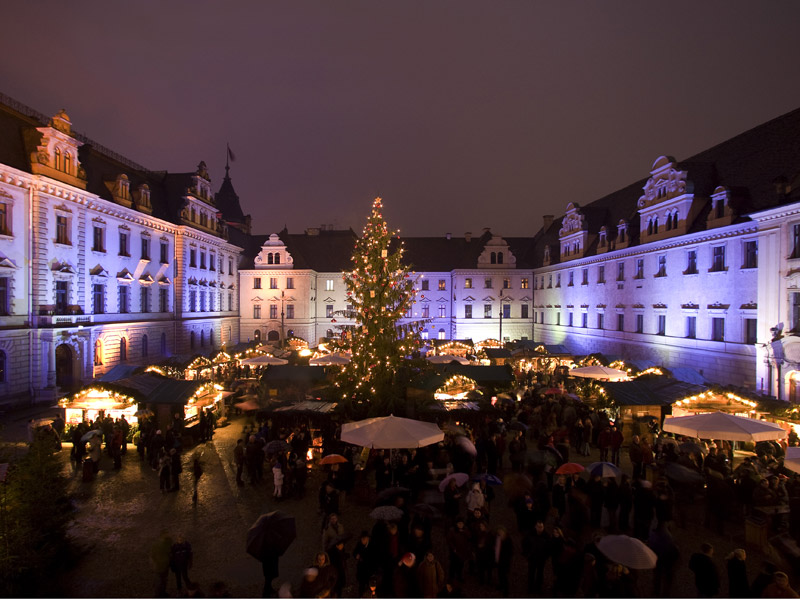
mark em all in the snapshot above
pixel 779 588
pixel 536 547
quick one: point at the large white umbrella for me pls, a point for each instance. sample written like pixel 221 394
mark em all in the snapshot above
pixel 444 359
pixel 627 551
pixel 599 372
pixel 792 459
pixel 724 426
pixel 264 360
pixel 335 358
pixel 391 432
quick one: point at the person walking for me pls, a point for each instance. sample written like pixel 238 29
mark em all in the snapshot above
pixel 164 470
pixel 706 575
pixel 366 557
pixel 197 472
pixel 458 542
pixel 738 585
pixel 175 468
pixel 180 560
pixel 238 459
pixel 636 455
pixel 779 588
pixel 159 560
pixel 503 552
pixel 430 576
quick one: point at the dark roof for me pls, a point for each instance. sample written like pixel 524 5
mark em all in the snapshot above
pixel 494 353
pixel 478 373
pixel 445 254
pixel 324 251
pixel 653 390
pixel 294 373
pixel 119 372
pixel 228 200
pixel 158 389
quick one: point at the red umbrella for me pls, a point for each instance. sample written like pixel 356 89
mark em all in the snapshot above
pixel 570 468
pixel 553 391
pixel 332 459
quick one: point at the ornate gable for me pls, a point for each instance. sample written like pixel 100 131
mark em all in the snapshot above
pixel 667 206
pixel 54 152
pixel 573 234
pixel 274 255
pixel 496 255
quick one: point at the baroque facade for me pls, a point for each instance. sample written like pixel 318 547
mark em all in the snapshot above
pixel 102 262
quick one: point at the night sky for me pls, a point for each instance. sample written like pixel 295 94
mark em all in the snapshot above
pixel 460 114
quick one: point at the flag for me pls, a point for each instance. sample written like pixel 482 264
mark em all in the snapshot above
pixel 231 155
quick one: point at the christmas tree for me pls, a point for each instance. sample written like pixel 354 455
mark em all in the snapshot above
pixel 381 292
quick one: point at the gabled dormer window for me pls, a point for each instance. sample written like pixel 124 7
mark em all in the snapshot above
pixel 602 243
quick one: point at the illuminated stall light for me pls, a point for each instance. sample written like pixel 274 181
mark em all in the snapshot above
pixel 90 402
pixel 650 371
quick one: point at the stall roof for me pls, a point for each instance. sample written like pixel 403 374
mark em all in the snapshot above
pixel 479 373
pixel 641 363
pixel 495 353
pixel 650 391
pixel 300 373
pixel 688 375
pixel 531 346
pixel 119 372
pixel 308 406
pixel 158 389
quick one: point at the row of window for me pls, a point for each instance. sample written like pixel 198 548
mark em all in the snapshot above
pixel 206 301
pixel 123 298
pixel 273 283
pixel 690 332
pixel 193 254
pixel 718 264
pixel 273 311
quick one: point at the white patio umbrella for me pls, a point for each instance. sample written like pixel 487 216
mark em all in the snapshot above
pixel 599 372
pixel 627 551
pixel 391 432
pixel 723 426
pixel 264 360
pixel 446 359
pixel 792 459
pixel 336 358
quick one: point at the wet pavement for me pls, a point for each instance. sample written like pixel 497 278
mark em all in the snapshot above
pixel 121 513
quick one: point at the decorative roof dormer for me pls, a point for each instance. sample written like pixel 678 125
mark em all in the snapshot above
pixel 142 199
pixel 721 213
pixel 667 206
pixel 623 235
pixel 603 244
pixel 496 255
pixel 201 184
pixel 54 152
pixel 546 259
pixel 274 255
pixel 121 190
pixel 573 235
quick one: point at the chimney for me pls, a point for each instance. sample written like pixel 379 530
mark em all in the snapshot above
pixel 547 221
pixel 487 230
pixel 468 236
pixel 447 235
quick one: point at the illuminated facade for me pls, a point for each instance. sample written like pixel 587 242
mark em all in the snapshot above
pixel 693 266
pixel 102 262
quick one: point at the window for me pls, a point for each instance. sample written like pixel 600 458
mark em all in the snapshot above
pixel 98 298
pixel 98 353
pixel 794 301
pixel 290 311
pixel 584 319
pixel 426 311
pixel 468 311
pixel 541 316
pixel 620 322
pixel 719 209
pixel 191 340
pixel 718 329
pixel 144 296
pixel 468 283
pixel 98 239
pixel 795 241
pixel 718 258
pixel 62 230
pixel 202 301
pixel 442 334
pixel 163 344
pixel 256 311
pixel 256 283
pixel 506 283
pixel 221 265
pixel 662 266
pixel 163 300
pixel 571 279
pixel 290 283
pixel 211 261
pixel 558 318
pixel 691 327
pixel 211 301
pixel 230 301
pixel 5 296
pixel 145 349
pixel 691 262
pixel 442 284
pixel 192 257
pixel 487 311
pixel 62 297
pixel 329 285
pixel 273 283
pixel 639 269
pixel 585 277
pixel 639 323
pixel 549 281
pixel 202 260
pixel 442 311
pixel 230 266
pixel 506 311
pixel 164 252
pixel 523 283
pixel 123 349
pixel 600 319
pixel 487 284
pixel 5 220
pixel 751 254
pixel 192 301
pixel 329 311
pixel 273 311
pixel 662 325
pixel 424 285
pixel 569 319
pixel 145 248
pixel 123 243
pixel 620 271
pixel 124 299
pixel 750 331
pixel 524 311
pixel 601 274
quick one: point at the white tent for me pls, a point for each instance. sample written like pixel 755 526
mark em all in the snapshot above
pixel 723 426
pixel 792 459
pixel 391 432
pixel 336 358
pixel 600 372
pixel 446 359
pixel 264 360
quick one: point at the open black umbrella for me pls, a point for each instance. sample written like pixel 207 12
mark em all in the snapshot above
pixel 277 446
pixel 680 474
pixel 388 495
pixel 339 539
pixel 426 510
pixel 274 531
pixel 90 434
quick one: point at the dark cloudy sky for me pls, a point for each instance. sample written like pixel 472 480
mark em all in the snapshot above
pixel 461 114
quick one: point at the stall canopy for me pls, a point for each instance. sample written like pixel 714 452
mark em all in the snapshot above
pixel 119 372
pixel 308 406
pixel 599 372
pixel 391 432
pixel 443 359
pixel 335 358
pixel 724 426
pixel 264 360
pixel 157 389
pixel 650 391
pixel 483 375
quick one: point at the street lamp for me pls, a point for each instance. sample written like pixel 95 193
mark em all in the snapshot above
pixel 283 336
pixel 501 317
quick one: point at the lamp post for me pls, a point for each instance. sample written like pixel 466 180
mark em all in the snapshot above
pixel 283 335
pixel 501 317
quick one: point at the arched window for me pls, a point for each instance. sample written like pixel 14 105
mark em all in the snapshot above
pixel 98 353
pixel 202 339
pixel 211 338
pixel 191 340
pixel 67 163
pixel 3 367
pixel 277 258
pixel 59 167
pixel 269 258
pixel 144 346
pixel 650 227
pixel 493 258
pixel 123 349
pixel 163 344
pixel 257 335
pixel 499 258
pixel 442 334
pixel 655 225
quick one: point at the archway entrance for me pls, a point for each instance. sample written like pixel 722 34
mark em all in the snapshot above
pixel 64 366
pixel 273 336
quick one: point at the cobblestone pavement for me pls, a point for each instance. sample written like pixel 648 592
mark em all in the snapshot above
pixel 120 514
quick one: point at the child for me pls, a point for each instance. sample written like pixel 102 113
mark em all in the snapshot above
pixel 277 480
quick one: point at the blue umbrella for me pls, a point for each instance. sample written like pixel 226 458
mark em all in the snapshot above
pixel 604 469
pixel 488 478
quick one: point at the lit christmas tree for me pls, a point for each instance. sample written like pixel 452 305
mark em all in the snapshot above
pixel 381 291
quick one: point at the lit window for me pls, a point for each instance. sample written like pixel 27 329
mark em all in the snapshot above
pixel 442 284
pixel 329 285
pixel 256 283
pixel 468 283
pixel 273 283
pixel 329 311
pixel 524 283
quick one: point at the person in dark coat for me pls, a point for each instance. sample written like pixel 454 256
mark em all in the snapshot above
pixel 763 579
pixel 366 557
pixel 269 568
pixel 706 575
pixel 643 508
pixel 404 580
pixel 596 490
pixel 738 585
pixel 338 558
pixel 503 552
pixel 175 468
pixel 625 503
pixel 458 542
pixel 662 543
pixel 180 560
pixel 536 547
pixel 559 495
